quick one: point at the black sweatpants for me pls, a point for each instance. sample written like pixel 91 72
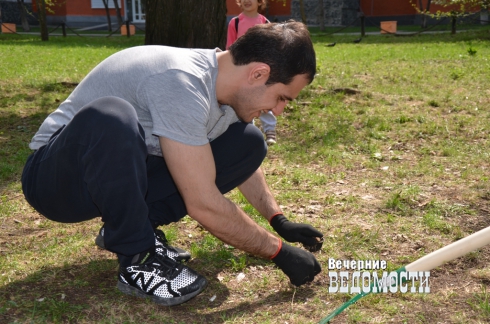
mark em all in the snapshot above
pixel 97 165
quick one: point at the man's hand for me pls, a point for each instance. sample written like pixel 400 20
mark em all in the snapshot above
pixel 299 265
pixel 297 232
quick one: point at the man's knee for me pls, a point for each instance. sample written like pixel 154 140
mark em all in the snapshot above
pixel 107 120
pixel 108 113
pixel 255 143
pixel 246 143
pixel 238 153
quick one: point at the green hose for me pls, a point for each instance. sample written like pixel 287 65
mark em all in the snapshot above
pixel 354 299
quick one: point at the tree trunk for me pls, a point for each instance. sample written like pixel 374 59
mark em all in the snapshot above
pixel 453 23
pixel 108 14
pixel 484 12
pixel 321 15
pixel 186 23
pixel 23 16
pixel 302 11
pixel 428 11
pixel 118 12
pixel 424 12
pixel 41 9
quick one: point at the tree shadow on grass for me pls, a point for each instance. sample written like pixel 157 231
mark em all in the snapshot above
pixel 15 134
pixel 18 125
pixel 71 41
pixel 269 301
pixel 84 292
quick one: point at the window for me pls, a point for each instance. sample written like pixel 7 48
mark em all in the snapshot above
pixel 98 4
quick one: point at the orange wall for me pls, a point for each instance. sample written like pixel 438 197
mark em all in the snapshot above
pixel 369 7
pixel 434 8
pixel 59 8
pixel 373 8
pixel 76 8
pixel 231 8
pixel 276 8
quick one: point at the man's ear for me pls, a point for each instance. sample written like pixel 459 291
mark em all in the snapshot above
pixel 259 72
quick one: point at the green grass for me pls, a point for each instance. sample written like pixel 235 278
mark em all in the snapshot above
pixel 371 27
pixel 481 302
pixel 391 171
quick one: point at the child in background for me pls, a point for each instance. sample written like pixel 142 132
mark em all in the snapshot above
pixel 237 27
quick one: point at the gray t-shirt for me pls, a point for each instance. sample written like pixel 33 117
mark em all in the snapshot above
pixel 172 89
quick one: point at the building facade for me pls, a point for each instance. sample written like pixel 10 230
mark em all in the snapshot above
pixel 10 12
pixel 80 13
pixel 335 12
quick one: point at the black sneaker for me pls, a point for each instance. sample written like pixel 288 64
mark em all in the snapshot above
pixel 161 245
pixel 163 280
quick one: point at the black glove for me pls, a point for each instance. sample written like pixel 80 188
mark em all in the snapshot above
pixel 299 265
pixel 297 232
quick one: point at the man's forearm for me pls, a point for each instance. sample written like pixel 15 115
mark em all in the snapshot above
pixel 231 225
pixel 193 170
pixel 258 194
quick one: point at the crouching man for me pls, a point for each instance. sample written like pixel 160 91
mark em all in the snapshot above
pixel 155 133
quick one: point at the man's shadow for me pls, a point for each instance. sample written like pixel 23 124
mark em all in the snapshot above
pixel 61 294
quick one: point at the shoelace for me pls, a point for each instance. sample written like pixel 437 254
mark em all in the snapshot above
pixel 161 237
pixel 168 267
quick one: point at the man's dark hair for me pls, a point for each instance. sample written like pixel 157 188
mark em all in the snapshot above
pixel 285 47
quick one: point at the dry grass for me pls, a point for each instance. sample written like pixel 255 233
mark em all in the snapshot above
pixel 392 172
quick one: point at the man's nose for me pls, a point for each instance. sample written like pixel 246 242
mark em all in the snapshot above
pixel 279 109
